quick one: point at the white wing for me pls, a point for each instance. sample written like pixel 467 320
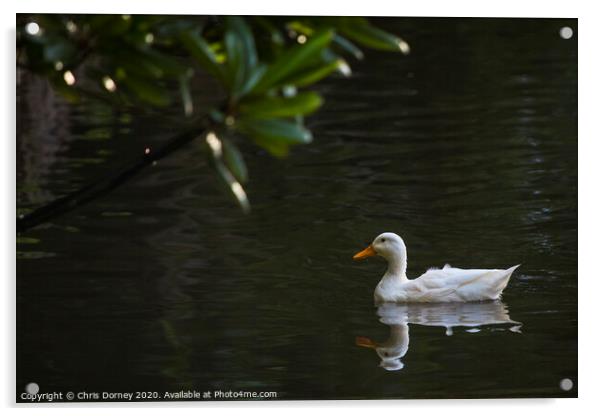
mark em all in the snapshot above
pixel 453 284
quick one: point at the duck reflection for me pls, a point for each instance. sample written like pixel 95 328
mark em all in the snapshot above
pixel 446 315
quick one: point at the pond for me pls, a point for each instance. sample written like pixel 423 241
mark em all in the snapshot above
pixel 467 148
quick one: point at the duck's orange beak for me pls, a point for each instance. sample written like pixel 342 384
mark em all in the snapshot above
pixel 365 342
pixel 368 252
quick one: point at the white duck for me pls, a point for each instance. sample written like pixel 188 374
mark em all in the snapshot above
pixel 448 284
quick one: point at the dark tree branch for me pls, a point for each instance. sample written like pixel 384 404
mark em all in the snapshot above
pixel 92 191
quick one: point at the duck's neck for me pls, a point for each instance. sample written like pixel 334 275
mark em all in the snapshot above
pixel 399 337
pixel 397 268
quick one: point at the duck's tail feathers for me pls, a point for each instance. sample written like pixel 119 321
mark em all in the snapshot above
pixel 503 281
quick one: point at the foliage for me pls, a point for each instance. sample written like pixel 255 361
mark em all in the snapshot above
pixel 263 64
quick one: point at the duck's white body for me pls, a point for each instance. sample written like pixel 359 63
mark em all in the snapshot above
pixel 448 284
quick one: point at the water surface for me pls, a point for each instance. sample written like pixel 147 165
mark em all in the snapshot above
pixel 467 148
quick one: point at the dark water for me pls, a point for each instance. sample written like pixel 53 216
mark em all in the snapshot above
pixel 467 148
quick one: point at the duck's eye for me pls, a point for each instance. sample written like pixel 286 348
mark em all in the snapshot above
pixel 382 240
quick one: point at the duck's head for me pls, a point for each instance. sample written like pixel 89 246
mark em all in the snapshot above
pixel 387 245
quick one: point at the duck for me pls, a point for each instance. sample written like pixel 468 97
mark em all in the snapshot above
pixel 448 284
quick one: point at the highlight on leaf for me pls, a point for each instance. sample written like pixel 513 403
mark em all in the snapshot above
pixel 225 159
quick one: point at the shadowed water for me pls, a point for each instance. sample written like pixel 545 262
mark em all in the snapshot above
pixel 467 148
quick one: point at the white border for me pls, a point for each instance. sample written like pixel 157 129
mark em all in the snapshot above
pixel 590 137
pixel 461 8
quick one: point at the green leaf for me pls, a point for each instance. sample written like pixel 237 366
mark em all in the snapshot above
pixel 329 56
pixel 218 150
pixel 147 62
pixel 294 58
pixel 235 63
pixel 234 161
pixel 348 46
pixel 233 185
pixel 202 52
pixel 147 91
pixel 315 74
pixel 241 29
pixel 299 27
pixel 253 78
pixel 186 95
pixel 274 135
pixel 168 64
pixel 241 56
pixel 278 149
pixel 302 104
pixel 359 30
pixel 275 129
pixel 136 65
